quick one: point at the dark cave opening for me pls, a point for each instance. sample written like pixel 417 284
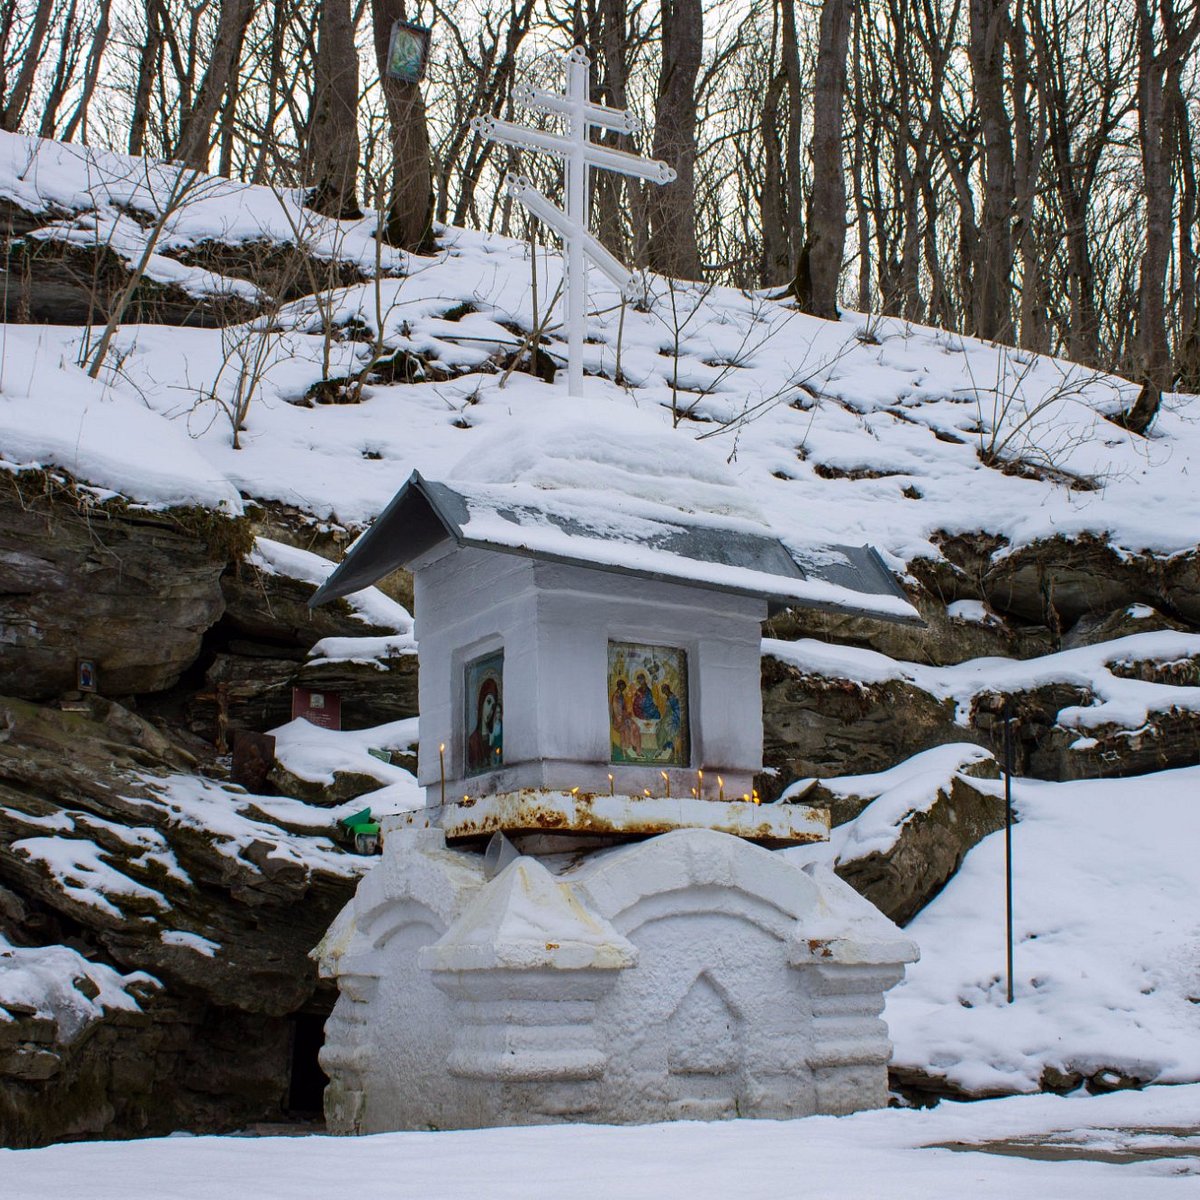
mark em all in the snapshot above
pixel 307 1085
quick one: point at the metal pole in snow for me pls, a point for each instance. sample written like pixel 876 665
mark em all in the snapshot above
pixel 577 172
pixel 1008 882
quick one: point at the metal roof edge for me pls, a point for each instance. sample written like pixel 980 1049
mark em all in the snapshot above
pixel 357 570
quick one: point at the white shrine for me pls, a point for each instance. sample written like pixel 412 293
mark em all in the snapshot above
pixel 592 919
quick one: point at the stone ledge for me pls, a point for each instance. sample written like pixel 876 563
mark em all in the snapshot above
pixel 533 811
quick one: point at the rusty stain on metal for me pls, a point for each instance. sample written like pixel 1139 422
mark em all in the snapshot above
pixel 532 810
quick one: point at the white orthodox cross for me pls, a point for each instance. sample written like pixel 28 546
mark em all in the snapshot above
pixel 580 154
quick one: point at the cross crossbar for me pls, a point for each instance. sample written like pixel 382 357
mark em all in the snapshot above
pixel 599 116
pixel 550 214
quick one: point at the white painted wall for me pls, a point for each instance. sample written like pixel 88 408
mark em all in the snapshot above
pixel 554 623
pixel 691 975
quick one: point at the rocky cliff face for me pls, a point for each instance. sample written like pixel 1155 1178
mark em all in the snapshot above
pixel 183 996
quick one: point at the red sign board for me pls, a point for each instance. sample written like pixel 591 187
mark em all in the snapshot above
pixel 318 708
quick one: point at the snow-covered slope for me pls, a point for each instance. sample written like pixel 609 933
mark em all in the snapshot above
pixel 860 430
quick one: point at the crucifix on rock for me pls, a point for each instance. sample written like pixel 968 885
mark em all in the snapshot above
pixel 579 154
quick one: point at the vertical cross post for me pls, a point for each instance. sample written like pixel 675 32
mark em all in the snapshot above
pixel 577 214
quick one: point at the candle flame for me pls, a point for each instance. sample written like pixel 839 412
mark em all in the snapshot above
pixel 442 748
pixel 574 791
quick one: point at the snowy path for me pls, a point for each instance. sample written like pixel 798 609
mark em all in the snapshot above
pixel 1143 1144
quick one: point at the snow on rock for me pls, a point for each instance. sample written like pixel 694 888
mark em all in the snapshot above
pixel 224 816
pixel 190 941
pixel 895 796
pixel 863 430
pixel 974 611
pixel 370 605
pixel 40 175
pixel 317 755
pixel 59 984
pixel 1117 701
pixel 86 875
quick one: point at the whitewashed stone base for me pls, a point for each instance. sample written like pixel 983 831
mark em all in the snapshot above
pixel 691 975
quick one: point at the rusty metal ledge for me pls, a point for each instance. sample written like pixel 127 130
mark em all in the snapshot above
pixel 582 813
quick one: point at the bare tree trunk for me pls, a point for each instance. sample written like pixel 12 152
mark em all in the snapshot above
pixel 273 106
pixel 989 22
pixel 78 119
pixel 1029 146
pixel 333 146
pixel 1187 342
pixel 610 189
pixel 18 98
pixel 820 265
pixel 672 208
pixel 147 72
pixel 793 209
pixel 195 136
pixel 1158 75
pixel 777 255
pixel 64 69
pixel 410 213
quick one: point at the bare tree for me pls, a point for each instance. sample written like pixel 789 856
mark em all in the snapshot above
pixel 196 132
pixel 333 148
pixel 820 264
pixel 410 215
pixel 671 209
pixel 989 36
pixel 30 59
pixel 78 119
pixel 1162 45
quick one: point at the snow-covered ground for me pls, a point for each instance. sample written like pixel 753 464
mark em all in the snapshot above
pixel 1078 1148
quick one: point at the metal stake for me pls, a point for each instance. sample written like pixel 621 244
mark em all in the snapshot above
pixel 1008 880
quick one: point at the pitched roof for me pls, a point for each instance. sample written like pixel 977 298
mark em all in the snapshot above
pixel 645 541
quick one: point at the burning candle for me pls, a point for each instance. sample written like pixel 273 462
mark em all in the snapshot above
pixel 575 791
pixel 700 784
pixel 756 797
pixel 610 784
pixel 695 793
pixel 442 762
pixel 666 783
pixel 646 792
pixel 720 789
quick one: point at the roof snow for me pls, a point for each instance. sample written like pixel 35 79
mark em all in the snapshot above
pixel 635 500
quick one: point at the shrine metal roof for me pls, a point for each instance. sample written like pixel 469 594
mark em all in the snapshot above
pixel 650 542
